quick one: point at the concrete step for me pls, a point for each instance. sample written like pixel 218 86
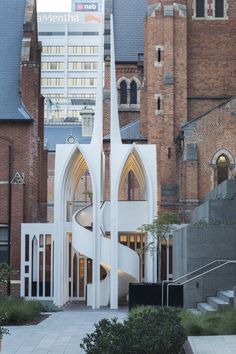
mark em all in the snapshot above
pixel 204 307
pixel 226 295
pixel 217 302
pixel 194 311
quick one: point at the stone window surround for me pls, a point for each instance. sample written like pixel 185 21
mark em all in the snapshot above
pixel 128 82
pixel 157 63
pixel 213 164
pixel 210 7
pixel 156 96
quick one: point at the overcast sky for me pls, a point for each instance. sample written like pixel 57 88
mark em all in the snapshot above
pixel 53 5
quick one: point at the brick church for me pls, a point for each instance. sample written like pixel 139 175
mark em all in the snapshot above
pixel 181 89
pixel 23 161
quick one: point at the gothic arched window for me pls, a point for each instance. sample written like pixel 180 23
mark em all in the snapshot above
pixel 200 8
pixel 133 93
pixel 222 166
pixel 123 92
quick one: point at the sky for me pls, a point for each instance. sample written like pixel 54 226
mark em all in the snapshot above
pixel 53 5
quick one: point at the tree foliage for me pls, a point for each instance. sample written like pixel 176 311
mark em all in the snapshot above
pixel 159 230
pixel 5 273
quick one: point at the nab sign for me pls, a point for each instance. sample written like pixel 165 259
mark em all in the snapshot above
pixel 86 6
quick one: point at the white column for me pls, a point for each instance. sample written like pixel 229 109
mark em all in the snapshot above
pixel 96 247
pixel 114 249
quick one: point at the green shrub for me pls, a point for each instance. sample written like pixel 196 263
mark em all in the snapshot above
pixel 156 330
pixel 222 322
pixel 5 273
pixel 148 330
pixel 3 330
pixel 108 338
pixel 48 307
pixel 17 310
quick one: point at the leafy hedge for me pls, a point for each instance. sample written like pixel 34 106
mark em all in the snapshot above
pixel 148 330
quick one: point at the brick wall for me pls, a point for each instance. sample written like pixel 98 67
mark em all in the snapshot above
pixel 195 74
pixel 27 145
pixel 212 133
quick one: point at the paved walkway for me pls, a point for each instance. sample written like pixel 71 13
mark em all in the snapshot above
pixel 59 333
pixel 62 333
pixel 213 344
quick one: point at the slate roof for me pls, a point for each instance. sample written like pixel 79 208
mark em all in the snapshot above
pixel 130 132
pixel 185 125
pixel 58 134
pixel 129 18
pixel 11 26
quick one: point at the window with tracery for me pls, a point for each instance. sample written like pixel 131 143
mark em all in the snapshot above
pixel 222 168
pixel 133 93
pixel 123 92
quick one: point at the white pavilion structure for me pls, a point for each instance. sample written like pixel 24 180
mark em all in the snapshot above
pixel 92 252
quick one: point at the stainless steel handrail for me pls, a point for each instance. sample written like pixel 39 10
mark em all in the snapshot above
pixel 184 276
pixel 173 283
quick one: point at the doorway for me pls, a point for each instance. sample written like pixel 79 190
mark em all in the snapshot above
pixel 79 273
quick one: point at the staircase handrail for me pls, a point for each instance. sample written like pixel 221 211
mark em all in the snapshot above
pixel 186 275
pixel 173 283
pixel 79 211
pixel 103 233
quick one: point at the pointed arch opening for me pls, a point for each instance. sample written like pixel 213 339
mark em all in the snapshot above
pixel 79 191
pixel 133 184
pixel 133 93
pixel 123 92
pixel 222 168
pixel 223 164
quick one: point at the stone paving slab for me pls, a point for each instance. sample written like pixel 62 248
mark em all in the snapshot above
pixel 213 345
pixel 60 333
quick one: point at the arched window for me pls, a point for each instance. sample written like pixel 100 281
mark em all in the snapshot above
pixel 222 166
pixel 123 92
pixel 219 8
pixel 133 93
pixel 200 8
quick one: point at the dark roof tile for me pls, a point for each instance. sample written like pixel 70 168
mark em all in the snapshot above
pixel 129 28
pixel 11 26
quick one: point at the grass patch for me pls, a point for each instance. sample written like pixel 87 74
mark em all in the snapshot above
pixel 16 310
pixel 222 322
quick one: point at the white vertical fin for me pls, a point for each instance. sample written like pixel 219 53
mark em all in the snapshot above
pixel 97 136
pixel 114 117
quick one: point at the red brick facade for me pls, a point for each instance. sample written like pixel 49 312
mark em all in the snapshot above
pixel 190 63
pixel 22 148
pixel 188 76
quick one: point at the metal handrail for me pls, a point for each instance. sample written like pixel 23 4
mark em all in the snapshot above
pixel 186 275
pixel 225 262
pixel 85 207
pixel 103 233
pixel 76 214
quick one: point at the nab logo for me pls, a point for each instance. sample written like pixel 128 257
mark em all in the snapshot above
pixel 91 7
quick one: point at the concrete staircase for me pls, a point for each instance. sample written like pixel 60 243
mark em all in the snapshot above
pixel 224 299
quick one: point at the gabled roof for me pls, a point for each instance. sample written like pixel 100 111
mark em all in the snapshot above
pixel 185 125
pixel 129 18
pixel 130 132
pixel 12 14
pixel 59 133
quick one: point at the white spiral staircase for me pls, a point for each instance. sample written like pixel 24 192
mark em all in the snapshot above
pixel 128 260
